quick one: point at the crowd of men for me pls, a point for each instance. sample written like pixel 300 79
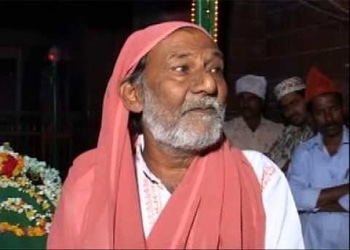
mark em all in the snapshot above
pixel 312 149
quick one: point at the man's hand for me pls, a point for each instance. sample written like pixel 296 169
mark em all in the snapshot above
pixel 332 207
pixel 329 196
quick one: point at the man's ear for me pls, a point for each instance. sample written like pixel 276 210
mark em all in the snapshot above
pixel 131 96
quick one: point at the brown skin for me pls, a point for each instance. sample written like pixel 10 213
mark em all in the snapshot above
pixel 328 114
pixel 294 109
pixel 185 63
pixel 251 108
pixel 328 199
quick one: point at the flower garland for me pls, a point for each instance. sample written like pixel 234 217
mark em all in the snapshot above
pixel 33 179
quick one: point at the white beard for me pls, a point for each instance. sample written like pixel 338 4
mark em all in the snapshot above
pixel 184 129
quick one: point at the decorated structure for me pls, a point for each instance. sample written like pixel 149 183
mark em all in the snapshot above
pixel 206 13
pixel 29 191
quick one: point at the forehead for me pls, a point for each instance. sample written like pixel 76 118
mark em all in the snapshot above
pixel 248 95
pixel 325 100
pixel 290 97
pixel 187 41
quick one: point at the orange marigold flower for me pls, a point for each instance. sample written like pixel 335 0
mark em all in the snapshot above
pixel 18 231
pixel 41 222
pixel 35 231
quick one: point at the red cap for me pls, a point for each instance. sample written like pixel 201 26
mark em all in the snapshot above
pixel 317 84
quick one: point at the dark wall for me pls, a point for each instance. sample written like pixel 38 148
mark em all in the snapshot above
pixel 277 39
pixel 280 39
pixel 89 36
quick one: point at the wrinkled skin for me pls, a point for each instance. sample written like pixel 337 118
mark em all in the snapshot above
pixel 185 91
pixel 182 101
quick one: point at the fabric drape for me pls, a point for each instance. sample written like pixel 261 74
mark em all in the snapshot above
pixel 217 205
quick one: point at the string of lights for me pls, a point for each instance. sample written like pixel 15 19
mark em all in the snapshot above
pixel 205 13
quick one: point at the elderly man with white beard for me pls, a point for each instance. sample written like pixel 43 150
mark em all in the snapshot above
pixel 176 183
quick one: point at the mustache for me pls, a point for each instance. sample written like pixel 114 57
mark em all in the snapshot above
pixel 206 102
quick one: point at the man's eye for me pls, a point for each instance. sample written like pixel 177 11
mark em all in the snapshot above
pixel 181 69
pixel 215 70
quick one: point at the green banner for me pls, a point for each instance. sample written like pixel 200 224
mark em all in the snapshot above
pixel 205 14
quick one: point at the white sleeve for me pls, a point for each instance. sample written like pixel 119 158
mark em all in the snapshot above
pixel 283 228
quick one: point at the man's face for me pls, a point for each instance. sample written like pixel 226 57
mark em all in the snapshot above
pixel 185 91
pixel 294 108
pixel 328 114
pixel 250 105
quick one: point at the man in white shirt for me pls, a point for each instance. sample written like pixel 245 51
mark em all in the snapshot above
pixel 179 185
pixel 251 130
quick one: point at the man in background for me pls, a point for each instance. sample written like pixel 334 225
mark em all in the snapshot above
pixel 319 171
pixel 251 130
pixel 290 96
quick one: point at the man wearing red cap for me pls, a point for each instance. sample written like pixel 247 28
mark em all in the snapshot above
pixel 319 171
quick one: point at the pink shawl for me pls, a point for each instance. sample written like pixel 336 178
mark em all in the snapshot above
pixel 218 205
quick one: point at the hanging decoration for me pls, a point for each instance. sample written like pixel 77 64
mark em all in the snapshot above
pixel 29 193
pixel 205 13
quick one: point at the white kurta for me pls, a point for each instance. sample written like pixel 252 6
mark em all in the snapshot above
pixel 283 230
pixel 241 136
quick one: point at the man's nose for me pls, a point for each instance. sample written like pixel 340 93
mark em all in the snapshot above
pixel 328 116
pixel 288 112
pixel 205 82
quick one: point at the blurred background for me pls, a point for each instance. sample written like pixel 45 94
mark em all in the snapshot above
pixel 65 51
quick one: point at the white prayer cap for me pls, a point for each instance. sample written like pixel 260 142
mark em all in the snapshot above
pixel 252 84
pixel 288 86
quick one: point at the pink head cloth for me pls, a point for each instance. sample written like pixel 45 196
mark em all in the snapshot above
pixel 99 207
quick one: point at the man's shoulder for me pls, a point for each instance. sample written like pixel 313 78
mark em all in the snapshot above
pixel 233 120
pixel 297 132
pixel 253 155
pixel 234 124
pixel 306 147
pixel 290 128
pixel 263 166
pixel 309 143
pixel 80 175
pixel 287 130
pixel 272 124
